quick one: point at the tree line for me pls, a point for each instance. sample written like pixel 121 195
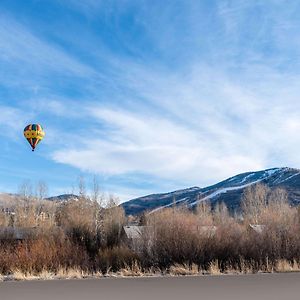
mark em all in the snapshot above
pixel 86 233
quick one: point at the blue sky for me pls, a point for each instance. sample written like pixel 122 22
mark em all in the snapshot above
pixel 150 96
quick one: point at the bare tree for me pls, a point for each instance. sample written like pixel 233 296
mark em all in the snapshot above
pixel 25 192
pixel 221 214
pixel 96 189
pixel 279 210
pixel 41 190
pixel 113 220
pixel 254 201
pixel 76 214
pixel 25 211
pixel 81 187
pixel 97 199
pixel 204 212
pixel 278 197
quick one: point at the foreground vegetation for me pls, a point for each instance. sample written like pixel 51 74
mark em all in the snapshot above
pixel 83 238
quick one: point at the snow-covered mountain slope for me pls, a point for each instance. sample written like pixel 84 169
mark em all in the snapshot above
pixel 228 191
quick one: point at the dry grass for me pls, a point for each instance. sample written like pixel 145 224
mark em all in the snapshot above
pixel 133 270
pixel 214 268
pixel 71 273
pixel 46 275
pixel 19 275
pixel 154 271
pixel 231 271
pixel 62 273
pixel 183 270
pixel 284 265
pixel 245 267
pixel 97 274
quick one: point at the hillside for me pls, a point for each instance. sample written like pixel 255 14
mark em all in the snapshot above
pixel 11 200
pixel 228 191
pixel 8 200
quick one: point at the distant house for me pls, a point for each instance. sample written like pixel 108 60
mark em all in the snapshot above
pixel 8 210
pixel 256 229
pixel 132 232
pixel 131 236
pixel 17 233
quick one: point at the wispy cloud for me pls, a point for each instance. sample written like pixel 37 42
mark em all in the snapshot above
pixel 20 45
pixel 195 134
pixel 187 98
pixel 11 121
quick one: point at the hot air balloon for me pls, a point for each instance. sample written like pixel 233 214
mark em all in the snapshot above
pixel 34 133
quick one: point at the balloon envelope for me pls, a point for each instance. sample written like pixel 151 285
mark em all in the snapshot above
pixel 34 133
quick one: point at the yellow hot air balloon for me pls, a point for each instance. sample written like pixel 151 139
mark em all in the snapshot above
pixel 34 133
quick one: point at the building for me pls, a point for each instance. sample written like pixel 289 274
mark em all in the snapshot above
pixel 17 233
pixel 257 229
pixel 131 236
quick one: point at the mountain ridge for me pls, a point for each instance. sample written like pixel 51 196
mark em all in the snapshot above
pixel 228 191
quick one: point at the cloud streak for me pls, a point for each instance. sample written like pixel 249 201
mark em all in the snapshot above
pixel 197 139
pixel 166 102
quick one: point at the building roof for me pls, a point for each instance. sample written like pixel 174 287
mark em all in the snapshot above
pixel 257 228
pixel 15 233
pixel 133 232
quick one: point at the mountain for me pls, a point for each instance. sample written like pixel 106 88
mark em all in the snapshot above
pixel 8 200
pixel 228 191
pixel 63 198
pixel 11 200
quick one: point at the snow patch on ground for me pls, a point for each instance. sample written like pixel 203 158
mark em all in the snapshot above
pixel 224 190
pixel 268 173
pixel 290 177
pixel 272 171
pixel 168 205
pixel 247 177
pixel 265 175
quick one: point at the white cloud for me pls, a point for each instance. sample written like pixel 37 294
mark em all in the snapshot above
pixel 191 130
pixel 12 121
pixel 225 110
pixel 41 61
